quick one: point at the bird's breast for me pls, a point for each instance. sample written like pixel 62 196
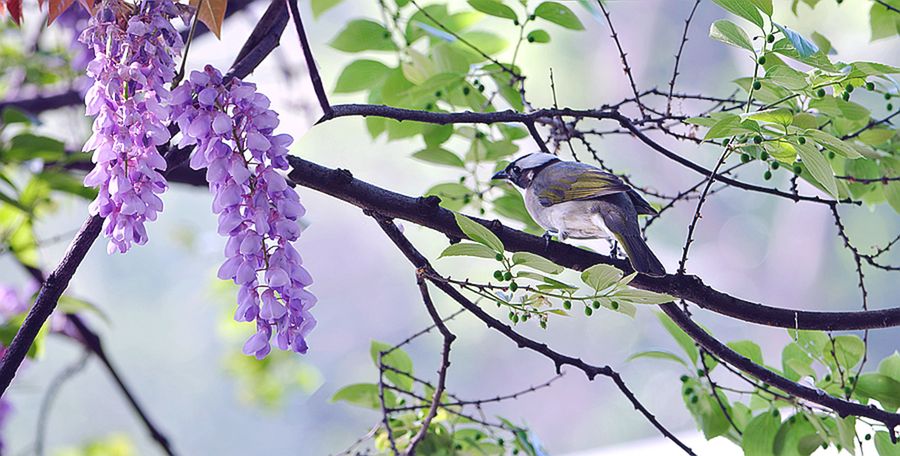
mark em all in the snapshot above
pixel 578 219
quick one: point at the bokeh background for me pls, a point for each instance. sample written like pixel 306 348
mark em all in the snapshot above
pixel 167 327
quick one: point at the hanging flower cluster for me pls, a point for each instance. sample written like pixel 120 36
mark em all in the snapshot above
pixel 233 128
pixel 133 61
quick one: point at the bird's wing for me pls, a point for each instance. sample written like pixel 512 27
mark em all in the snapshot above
pixel 573 182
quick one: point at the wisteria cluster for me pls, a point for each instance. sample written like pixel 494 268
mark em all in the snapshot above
pixel 233 129
pixel 133 62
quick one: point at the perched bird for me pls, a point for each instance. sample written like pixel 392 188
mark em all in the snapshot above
pixel 580 201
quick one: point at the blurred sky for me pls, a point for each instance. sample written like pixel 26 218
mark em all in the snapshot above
pixel 164 318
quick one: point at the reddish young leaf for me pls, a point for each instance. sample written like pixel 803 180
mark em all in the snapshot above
pixel 56 7
pixel 212 13
pixel 15 9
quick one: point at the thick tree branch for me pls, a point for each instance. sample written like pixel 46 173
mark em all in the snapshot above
pixel 426 212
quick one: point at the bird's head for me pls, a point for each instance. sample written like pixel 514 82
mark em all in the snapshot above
pixel 522 170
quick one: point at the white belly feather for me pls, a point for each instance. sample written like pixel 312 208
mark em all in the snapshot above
pixel 575 219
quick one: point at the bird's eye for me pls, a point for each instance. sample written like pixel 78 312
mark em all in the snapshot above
pixel 516 170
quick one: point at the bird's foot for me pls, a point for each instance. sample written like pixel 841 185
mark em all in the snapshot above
pixel 548 235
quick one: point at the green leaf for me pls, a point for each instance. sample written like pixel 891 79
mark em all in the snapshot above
pixel 12 115
pixel 452 194
pixel 883 22
pixel 804 47
pixel 364 395
pixel 658 354
pixel 730 33
pixel 764 5
pixel 440 156
pixel 884 446
pixel 321 6
pixel 742 8
pixel 833 144
pixel 361 75
pixel 558 14
pixel 726 127
pixel 601 276
pixel 781 116
pixel 749 349
pixel 536 262
pixel 890 366
pixel 877 136
pixel 538 36
pixel 493 8
pixel 478 233
pixel 848 352
pixel 398 359
pixel 759 436
pixel 818 166
pixel 796 363
pixel 27 146
pixel 681 338
pixel 636 296
pixel 880 387
pixel 797 438
pixel 468 249
pixel 68 304
pixel 363 35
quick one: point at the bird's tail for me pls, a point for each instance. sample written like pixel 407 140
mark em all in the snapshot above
pixel 641 257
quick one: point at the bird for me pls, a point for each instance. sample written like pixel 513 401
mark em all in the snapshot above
pixel 580 201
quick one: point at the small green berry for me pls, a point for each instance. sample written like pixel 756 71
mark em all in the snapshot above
pixel 511 315
pixel 828 377
pixel 775 413
pixel 515 318
pixel 887 96
pixel 701 372
pixel 868 437
pixel 726 141
pixel 428 106
pixel 801 140
pixel 745 158
pixel 684 378
pixel 820 93
pixel 849 88
pixel 762 60
pixel 770 38
pixel 870 86
pixel 498 257
pixel 688 391
pixel 507 275
pixel 480 88
pixel 588 311
pixel 830 155
pixel 513 286
pixel 846 96
pixel 798 169
pixel 758 139
pixel 890 107
pixel 531 39
pixel 498 275
pixel 615 305
pixel 595 304
pixel 543 324
pixel 763 155
pixel 757 85
pixel 532 17
pixel 694 399
pixel 466 90
pixel 767 175
pixel 776 165
pixel 567 305
pixel 525 317
pixel 515 22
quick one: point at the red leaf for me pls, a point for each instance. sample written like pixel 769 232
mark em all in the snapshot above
pixel 55 8
pixel 212 13
pixel 15 10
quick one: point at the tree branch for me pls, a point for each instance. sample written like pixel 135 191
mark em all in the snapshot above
pixel 558 359
pixel 426 212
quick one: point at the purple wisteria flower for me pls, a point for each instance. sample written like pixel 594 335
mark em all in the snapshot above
pixel 133 62
pixel 233 128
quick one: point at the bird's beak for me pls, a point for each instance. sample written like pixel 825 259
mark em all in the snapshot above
pixel 501 175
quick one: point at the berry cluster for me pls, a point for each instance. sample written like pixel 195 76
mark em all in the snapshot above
pixel 233 129
pixel 133 62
